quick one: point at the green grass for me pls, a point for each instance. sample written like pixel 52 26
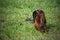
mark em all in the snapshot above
pixel 14 12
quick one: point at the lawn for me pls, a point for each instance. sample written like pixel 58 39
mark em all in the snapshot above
pixel 13 25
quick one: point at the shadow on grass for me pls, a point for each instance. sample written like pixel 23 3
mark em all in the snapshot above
pixel 50 26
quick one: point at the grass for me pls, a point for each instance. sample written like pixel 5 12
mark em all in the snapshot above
pixel 14 12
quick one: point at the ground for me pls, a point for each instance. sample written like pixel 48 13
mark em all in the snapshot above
pixel 14 12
